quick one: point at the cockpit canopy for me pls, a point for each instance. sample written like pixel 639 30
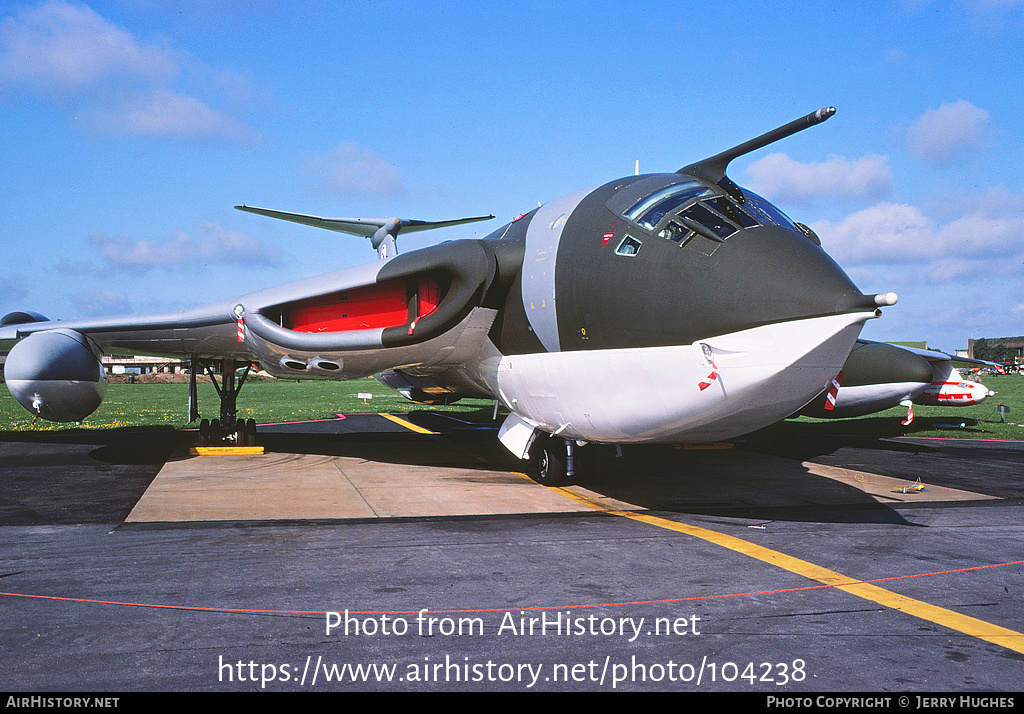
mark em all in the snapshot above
pixel 680 211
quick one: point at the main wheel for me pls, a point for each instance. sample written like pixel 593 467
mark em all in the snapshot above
pixel 247 432
pixel 547 461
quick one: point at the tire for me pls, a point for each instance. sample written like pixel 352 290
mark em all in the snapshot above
pixel 547 462
pixel 247 430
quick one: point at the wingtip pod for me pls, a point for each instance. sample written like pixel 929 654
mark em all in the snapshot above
pixel 22 317
pixel 886 299
pixel 56 375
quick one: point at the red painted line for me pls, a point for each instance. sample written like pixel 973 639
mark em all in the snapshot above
pixel 336 417
pixel 199 608
pixel 953 438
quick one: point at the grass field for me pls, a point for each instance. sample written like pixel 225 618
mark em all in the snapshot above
pixel 979 422
pixel 135 405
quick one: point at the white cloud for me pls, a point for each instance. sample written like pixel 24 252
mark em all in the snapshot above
pixel 214 244
pixel 785 180
pixel 67 53
pixel 354 170
pixel 978 242
pixel 951 134
pixel 165 113
pixel 956 266
pixel 884 233
pixel 63 47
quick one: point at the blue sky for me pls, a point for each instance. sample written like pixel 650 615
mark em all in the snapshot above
pixel 130 128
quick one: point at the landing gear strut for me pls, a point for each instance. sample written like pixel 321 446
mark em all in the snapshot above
pixel 228 430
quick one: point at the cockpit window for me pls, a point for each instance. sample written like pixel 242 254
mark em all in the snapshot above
pixel 628 246
pixel 649 211
pixel 653 217
pixel 674 231
pixel 702 215
pixel 774 214
pixel 735 213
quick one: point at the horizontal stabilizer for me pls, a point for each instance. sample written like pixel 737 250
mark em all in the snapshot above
pixel 360 226
pixel 382 232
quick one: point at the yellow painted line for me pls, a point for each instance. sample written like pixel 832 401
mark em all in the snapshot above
pixel 225 450
pixel 937 615
pixel 408 425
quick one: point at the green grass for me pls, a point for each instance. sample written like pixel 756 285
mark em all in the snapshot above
pixel 139 405
pixel 980 421
pixel 134 405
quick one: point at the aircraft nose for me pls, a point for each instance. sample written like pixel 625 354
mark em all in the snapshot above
pixel 675 292
pixel 774 275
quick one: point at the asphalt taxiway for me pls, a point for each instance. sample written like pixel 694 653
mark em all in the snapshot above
pixel 786 562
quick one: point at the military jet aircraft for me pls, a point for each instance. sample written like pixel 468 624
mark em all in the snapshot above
pixel 672 307
pixel 878 376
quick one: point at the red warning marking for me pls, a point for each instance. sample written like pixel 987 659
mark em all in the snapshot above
pixel 910 416
pixel 833 392
pixel 241 331
pixel 609 235
pixel 710 378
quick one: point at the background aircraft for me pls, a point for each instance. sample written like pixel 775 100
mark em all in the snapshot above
pixel 658 308
pixel 878 376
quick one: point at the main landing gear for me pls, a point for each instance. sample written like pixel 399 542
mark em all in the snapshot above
pixel 228 430
pixel 552 461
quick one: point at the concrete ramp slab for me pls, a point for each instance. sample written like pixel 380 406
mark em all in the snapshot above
pixel 275 486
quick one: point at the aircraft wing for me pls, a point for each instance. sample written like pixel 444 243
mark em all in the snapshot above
pixel 419 311
pixel 880 375
pixel 937 356
pixel 169 334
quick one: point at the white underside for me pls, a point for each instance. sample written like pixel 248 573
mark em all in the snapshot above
pixel 870 398
pixel 653 394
